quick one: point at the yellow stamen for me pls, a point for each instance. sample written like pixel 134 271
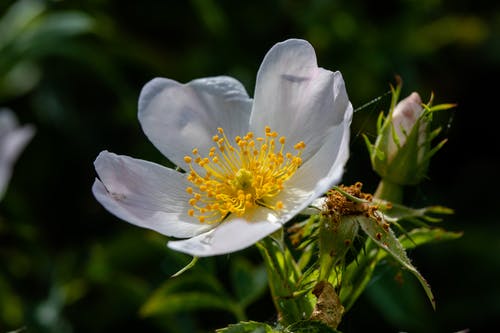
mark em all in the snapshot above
pixel 240 174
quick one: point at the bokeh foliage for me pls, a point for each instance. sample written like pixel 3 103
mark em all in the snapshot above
pixel 75 68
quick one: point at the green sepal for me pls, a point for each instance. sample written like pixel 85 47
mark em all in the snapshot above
pixel 284 275
pixel 187 267
pixel 397 212
pixel 335 240
pixel 387 240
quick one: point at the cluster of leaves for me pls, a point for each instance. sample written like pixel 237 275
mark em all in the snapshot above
pixel 201 290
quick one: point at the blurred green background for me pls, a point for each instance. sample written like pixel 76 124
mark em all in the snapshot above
pixel 74 69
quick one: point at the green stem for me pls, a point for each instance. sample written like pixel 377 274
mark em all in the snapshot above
pixel 389 191
pixel 283 274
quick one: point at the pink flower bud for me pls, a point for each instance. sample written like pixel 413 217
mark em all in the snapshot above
pixel 405 114
pixel 404 117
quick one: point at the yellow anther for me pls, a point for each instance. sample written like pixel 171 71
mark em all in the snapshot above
pixel 299 145
pixel 188 159
pixel 240 173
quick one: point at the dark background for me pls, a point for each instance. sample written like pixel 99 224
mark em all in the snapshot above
pixel 66 265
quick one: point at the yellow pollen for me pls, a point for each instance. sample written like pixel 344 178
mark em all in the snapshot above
pixel 300 145
pixel 241 174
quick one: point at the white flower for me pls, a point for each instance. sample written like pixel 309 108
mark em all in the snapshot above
pixel 13 139
pixel 251 165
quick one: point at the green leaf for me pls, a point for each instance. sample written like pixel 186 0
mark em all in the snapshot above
pixel 383 236
pixel 399 299
pixel 396 212
pixel 248 327
pixel 249 282
pixel 191 292
pixel 17 18
pixel 185 301
pixel 309 326
pixel 420 236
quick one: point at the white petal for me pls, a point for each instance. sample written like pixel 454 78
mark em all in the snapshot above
pixel 233 235
pixel 145 194
pixel 296 98
pixel 179 117
pixel 318 174
pixel 326 167
pixel 12 143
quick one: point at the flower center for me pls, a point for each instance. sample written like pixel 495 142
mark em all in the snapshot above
pixel 239 175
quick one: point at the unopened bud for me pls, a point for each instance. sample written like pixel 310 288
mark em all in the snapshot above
pixel 404 117
pixel 402 150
